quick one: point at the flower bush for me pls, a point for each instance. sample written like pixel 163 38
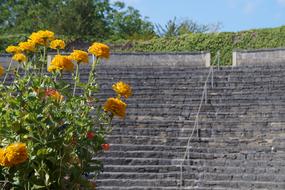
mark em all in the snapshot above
pixel 50 133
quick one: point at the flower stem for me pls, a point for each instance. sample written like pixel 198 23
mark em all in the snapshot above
pixel 17 70
pixel 25 67
pixel 9 67
pixel 91 74
pixel 44 61
pixel 76 78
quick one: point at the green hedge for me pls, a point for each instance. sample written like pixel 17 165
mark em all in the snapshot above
pixel 225 42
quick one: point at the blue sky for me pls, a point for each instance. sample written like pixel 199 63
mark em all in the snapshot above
pixel 235 15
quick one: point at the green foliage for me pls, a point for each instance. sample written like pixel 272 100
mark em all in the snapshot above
pixel 186 26
pixel 98 19
pixel 225 42
pixel 128 24
pixel 61 130
pixel 55 132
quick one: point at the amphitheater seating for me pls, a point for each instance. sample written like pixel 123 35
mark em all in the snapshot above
pixel 239 144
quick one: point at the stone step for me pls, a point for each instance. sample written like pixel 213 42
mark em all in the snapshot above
pixel 196 95
pixel 224 139
pixel 164 122
pixel 216 153
pixel 203 118
pixel 252 161
pixel 212 176
pixel 174 83
pixel 240 104
pixel 148 188
pixel 197 149
pixel 146 183
pixel 165 169
pixel 215 131
pixel 245 183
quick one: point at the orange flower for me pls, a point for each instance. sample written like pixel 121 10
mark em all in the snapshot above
pixel 13 154
pixel 19 57
pixel 116 107
pixel 122 89
pixel 60 62
pixel 2 70
pixel 57 44
pixel 28 46
pixel 105 147
pixel 13 49
pixel 53 68
pixel 99 50
pixel 54 94
pixel 79 56
pixel 3 160
pixel 42 37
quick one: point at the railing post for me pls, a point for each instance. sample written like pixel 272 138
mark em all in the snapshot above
pixel 219 60
pixel 212 79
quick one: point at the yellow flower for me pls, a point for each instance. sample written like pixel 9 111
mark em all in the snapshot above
pixel 60 63
pixel 116 107
pixel 53 68
pixel 3 159
pixel 79 56
pixel 122 89
pixel 57 44
pixel 19 57
pixel 28 46
pixel 46 34
pixel 37 39
pixel 14 154
pixel 42 37
pixel 13 49
pixel 2 70
pixel 99 50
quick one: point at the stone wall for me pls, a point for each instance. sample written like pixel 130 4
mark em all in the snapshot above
pixel 158 59
pixel 200 59
pixel 259 56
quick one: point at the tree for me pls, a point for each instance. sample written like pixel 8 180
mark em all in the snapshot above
pixel 84 18
pixel 170 29
pixel 99 19
pixel 127 23
pixel 186 26
pixel 26 15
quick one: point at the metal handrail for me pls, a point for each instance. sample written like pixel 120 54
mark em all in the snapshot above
pixel 196 123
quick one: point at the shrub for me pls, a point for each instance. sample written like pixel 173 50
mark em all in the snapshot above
pixel 49 133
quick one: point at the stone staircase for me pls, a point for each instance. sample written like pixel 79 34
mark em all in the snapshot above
pixel 239 144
